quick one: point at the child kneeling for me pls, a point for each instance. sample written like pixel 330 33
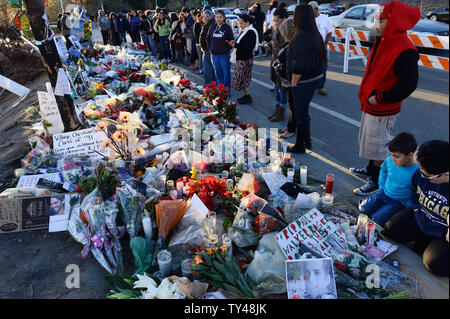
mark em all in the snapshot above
pixel 395 181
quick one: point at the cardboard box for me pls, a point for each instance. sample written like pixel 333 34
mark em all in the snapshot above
pixel 32 213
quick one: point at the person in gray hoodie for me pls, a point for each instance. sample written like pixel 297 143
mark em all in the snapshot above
pixel 105 26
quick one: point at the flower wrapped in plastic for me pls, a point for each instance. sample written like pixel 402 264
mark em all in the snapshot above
pixel 132 206
pixel 168 213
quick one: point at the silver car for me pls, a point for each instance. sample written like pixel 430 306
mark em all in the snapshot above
pixel 362 17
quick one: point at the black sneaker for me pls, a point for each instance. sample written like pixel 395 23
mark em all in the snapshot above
pixel 367 189
pixel 246 100
pixel 362 172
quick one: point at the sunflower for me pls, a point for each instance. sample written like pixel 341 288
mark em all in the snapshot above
pixel 106 143
pixel 101 126
pixel 124 116
pixel 140 151
pixel 118 136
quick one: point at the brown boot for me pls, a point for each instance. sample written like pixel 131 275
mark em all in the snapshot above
pixel 280 116
pixel 277 110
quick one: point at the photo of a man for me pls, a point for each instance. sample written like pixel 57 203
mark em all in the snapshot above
pixel 311 279
pixel 57 205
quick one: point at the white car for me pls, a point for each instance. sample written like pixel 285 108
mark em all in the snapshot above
pixel 229 15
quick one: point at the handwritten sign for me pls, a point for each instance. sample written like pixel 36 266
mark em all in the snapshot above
pixel 311 230
pixel 50 112
pixel 62 84
pixel 274 181
pixel 61 48
pixel 82 142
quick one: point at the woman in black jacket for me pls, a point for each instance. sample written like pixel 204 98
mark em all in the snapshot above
pixel 246 45
pixel 305 67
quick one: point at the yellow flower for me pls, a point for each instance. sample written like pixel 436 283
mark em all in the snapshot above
pixel 88 113
pixel 101 126
pixel 106 143
pixel 118 136
pixel 140 151
pixel 198 259
pixel 209 251
pixel 121 127
pixel 124 116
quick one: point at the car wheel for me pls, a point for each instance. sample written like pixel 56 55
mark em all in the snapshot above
pixel 433 17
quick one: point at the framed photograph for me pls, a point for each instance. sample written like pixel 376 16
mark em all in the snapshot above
pixel 310 279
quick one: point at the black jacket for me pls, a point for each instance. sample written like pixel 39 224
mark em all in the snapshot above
pixel 244 49
pixel 204 34
pixel 302 56
pixel 258 20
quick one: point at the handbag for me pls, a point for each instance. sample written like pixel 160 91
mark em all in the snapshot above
pixel 233 56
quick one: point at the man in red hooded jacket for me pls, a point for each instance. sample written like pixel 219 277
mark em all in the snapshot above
pixel 391 76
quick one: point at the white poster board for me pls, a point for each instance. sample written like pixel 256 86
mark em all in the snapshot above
pixel 311 230
pixel 61 47
pixel 62 84
pixel 50 112
pixel 81 142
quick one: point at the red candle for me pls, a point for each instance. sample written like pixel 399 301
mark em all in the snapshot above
pixel 287 159
pixel 329 185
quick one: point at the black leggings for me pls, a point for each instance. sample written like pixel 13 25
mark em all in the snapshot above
pixel 373 171
pixel 291 124
pixel 403 228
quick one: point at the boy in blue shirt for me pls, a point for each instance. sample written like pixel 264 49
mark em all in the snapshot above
pixel 426 223
pixel 395 181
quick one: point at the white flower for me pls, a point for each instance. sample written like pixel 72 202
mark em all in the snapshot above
pixel 145 282
pixel 169 290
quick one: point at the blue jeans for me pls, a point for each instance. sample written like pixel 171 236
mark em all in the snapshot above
pixel 324 74
pixel 149 42
pixel 222 65
pixel 281 96
pixel 303 94
pixel 208 69
pixel 123 37
pixel 164 52
pixel 380 207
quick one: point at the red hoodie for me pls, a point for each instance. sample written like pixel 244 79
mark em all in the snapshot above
pixel 379 75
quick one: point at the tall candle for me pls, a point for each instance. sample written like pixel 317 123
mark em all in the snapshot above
pixel 186 268
pixel 147 224
pixel 329 185
pixel 227 242
pixel 180 186
pixel 303 175
pixel 290 174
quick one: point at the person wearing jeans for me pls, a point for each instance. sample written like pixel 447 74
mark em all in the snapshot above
pixel 162 27
pixel 218 40
pixel 209 74
pixel 305 66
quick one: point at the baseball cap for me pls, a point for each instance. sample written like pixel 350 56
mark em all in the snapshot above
pixel 314 4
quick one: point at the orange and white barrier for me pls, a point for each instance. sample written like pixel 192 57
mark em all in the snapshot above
pixel 360 52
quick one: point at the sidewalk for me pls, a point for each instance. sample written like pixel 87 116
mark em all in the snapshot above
pixel 429 286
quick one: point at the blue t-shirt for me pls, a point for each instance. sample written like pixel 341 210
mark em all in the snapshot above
pixel 430 206
pixel 397 181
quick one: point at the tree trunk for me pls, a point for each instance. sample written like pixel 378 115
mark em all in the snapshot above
pixel 52 62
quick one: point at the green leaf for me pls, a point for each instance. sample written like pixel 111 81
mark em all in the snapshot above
pixel 215 277
pixel 119 295
pixel 206 258
pixel 138 246
pixel 118 283
pixel 234 289
pixel 219 267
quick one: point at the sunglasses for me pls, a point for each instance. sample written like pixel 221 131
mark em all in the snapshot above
pixel 430 177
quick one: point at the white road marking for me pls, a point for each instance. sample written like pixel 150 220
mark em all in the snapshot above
pixel 319 107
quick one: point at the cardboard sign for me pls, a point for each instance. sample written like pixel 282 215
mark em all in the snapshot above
pixel 23 214
pixel 311 230
pixel 13 87
pixel 50 112
pixel 83 142
pixel 62 84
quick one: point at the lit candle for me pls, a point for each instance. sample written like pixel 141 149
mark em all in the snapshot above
pixel 329 185
pixel 147 224
pixel 165 262
pixel 327 200
pixel 290 174
pixel 180 186
pixel 303 174
pixel 186 268
pixel 213 240
pixel 315 199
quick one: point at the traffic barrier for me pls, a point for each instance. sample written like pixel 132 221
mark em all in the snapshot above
pixel 360 52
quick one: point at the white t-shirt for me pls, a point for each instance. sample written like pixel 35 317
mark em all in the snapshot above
pixel 269 18
pixel 324 25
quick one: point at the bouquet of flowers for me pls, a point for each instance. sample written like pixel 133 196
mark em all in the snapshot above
pixel 90 53
pixel 122 138
pixel 184 84
pixel 216 94
pixel 137 77
pixel 207 189
pixel 211 266
pixel 97 89
pixel 74 56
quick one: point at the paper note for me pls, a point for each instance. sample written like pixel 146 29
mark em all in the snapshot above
pixel 61 47
pixel 161 139
pixel 60 210
pixel 62 84
pixel 50 112
pixel 31 180
pixel 274 181
pixel 81 142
